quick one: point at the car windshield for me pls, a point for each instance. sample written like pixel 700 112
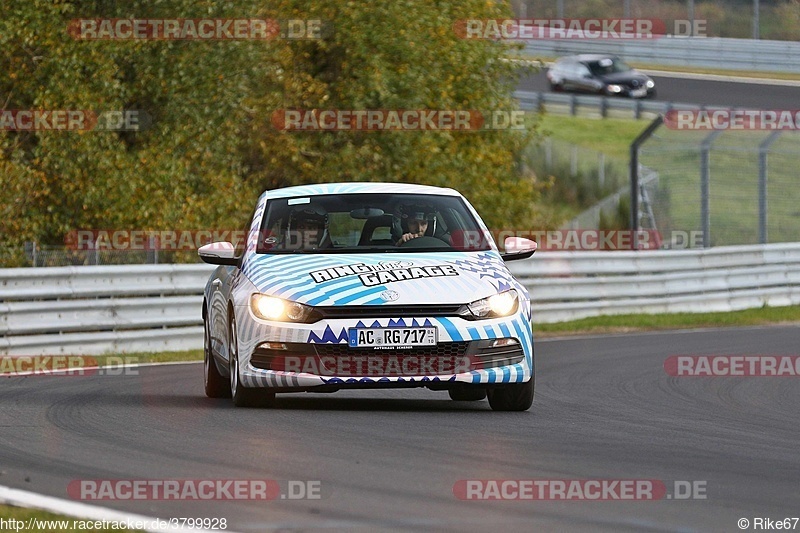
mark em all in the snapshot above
pixel 608 66
pixel 364 223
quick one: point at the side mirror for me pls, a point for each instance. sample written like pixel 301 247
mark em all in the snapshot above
pixel 518 248
pixel 218 253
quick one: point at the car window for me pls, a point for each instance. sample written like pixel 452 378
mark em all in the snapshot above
pixel 608 66
pixel 358 223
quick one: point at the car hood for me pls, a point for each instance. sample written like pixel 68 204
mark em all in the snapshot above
pixel 390 279
pixel 625 77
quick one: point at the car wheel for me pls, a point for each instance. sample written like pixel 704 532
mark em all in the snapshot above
pixel 512 397
pixel 243 396
pixel 467 393
pixel 216 386
pixel 557 87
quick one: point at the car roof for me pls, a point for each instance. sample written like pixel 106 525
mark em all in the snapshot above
pixel 587 57
pixel 358 187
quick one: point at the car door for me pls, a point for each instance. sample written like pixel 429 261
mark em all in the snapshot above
pixel 584 81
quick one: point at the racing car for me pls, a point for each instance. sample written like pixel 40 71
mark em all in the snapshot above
pixel 367 285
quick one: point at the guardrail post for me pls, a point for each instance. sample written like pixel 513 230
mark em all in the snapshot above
pixel 573 105
pixel 763 152
pixel 634 175
pixel 705 185
pixel 603 106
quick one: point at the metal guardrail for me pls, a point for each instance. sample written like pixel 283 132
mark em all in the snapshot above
pixel 604 106
pixel 706 52
pixel 144 308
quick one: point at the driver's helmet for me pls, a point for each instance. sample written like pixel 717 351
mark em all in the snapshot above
pixel 417 212
pixel 420 212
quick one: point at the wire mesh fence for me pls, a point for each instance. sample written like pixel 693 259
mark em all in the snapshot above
pixel 729 187
pixel 588 179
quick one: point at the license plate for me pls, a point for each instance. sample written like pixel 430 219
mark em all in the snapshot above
pixel 392 337
pixel 638 93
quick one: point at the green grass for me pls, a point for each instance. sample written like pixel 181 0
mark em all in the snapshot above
pixel 112 360
pixel 641 322
pixel 675 155
pixel 612 136
pixel 24 514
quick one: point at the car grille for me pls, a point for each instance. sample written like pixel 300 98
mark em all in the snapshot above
pixel 499 356
pixel 469 355
pixel 444 349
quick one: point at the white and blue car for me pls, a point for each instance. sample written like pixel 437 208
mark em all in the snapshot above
pixel 367 285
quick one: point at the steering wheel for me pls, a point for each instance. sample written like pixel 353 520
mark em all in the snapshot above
pixel 424 242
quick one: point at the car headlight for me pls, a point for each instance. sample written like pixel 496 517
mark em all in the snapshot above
pixel 613 88
pixel 273 308
pixel 650 84
pixel 497 305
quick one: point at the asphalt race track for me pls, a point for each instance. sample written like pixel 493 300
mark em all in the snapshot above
pixel 677 89
pixel 604 409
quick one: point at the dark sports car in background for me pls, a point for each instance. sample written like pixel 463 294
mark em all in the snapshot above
pixel 602 74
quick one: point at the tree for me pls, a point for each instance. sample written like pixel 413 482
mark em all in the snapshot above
pixel 211 147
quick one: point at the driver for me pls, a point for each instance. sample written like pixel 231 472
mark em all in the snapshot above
pixel 416 219
pixel 307 228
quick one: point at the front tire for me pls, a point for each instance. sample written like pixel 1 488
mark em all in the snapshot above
pixel 216 386
pixel 243 396
pixel 512 397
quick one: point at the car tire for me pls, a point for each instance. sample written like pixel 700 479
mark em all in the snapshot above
pixel 467 393
pixel 243 396
pixel 557 87
pixel 512 397
pixel 216 386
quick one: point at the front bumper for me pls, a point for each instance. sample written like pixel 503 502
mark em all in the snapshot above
pixel 289 356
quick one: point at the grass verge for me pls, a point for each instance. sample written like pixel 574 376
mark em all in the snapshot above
pixel 612 136
pixel 10 364
pixel 639 322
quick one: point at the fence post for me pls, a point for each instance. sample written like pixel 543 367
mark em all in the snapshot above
pixel 763 152
pixel 634 175
pixel 705 185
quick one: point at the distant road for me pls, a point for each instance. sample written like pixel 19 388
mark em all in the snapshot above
pixel 682 89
